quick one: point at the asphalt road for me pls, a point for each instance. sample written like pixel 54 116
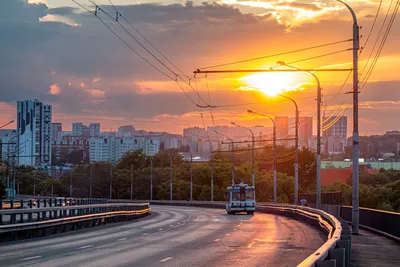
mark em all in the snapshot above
pixel 174 236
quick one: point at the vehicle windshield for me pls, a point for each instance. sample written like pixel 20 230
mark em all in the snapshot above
pixel 250 196
pixel 235 196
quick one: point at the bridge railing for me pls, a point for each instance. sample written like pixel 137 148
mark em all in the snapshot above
pixel 48 202
pixel 382 222
pixel 27 223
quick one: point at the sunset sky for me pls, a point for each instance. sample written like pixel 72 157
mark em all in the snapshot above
pixel 54 51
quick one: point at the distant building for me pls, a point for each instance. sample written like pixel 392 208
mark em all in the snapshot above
pixel 34 127
pixel 194 132
pixel 336 134
pixel 56 128
pixel 113 148
pixel 305 130
pixel 126 131
pixel 94 129
pixel 65 145
pixel 77 128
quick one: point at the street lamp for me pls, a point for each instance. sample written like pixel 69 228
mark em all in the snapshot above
pixel 281 63
pixel 274 138
pixel 296 159
pixel 233 155
pixel 8 123
pixel 252 152
pixel 355 174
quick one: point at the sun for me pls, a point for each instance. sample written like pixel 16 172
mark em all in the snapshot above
pixel 271 83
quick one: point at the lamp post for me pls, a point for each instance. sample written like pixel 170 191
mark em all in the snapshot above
pixel 274 145
pixel 318 131
pixel 191 177
pixel 170 177
pixel 151 178
pixel 233 155
pixel 212 171
pixel 355 174
pixel 296 159
pixel 252 152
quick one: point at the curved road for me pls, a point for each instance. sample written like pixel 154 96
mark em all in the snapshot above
pixel 174 236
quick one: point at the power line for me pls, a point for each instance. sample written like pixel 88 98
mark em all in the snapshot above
pixel 389 27
pixel 155 57
pixel 133 50
pixel 275 55
pixel 372 27
pixel 377 38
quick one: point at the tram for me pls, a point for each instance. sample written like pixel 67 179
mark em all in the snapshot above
pixel 240 197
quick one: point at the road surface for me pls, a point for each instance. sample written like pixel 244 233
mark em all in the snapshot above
pixel 174 236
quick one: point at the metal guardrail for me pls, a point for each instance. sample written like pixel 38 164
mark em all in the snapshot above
pixel 381 222
pixel 21 223
pixel 336 251
pixel 32 202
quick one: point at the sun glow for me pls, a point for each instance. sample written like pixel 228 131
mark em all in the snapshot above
pixel 271 83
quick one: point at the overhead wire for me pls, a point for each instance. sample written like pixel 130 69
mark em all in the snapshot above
pixel 275 55
pixel 377 38
pixel 372 27
pixel 380 48
pixel 130 47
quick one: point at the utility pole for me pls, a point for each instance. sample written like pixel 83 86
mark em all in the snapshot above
pixel 111 177
pixel 355 174
pixel 191 177
pixel 274 137
pixel 233 155
pixel 319 98
pixel 151 179
pixel 70 185
pixel 131 181
pixel 90 181
pixel 212 174
pixel 274 151
pixel 252 152
pixel 170 177
pixel 296 147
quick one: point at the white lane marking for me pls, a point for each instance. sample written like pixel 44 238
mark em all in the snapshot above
pixel 178 223
pixel 145 234
pixel 122 239
pixel 228 234
pixel 88 246
pixel 171 226
pixel 31 258
pixel 216 240
pixel 166 259
pixel 160 229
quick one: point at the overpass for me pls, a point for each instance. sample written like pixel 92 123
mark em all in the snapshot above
pixel 183 233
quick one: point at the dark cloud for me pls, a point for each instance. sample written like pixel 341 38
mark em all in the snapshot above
pixel 64 11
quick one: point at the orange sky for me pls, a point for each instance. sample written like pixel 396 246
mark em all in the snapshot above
pixel 97 79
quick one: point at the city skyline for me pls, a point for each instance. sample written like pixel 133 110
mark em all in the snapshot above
pixel 91 85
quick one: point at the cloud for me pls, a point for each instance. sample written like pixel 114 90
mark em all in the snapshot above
pixel 98 77
pixel 54 89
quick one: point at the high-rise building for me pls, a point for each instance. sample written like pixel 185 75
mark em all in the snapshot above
pixel 335 134
pixel 34 133
pixel 77 128
pixel 94 129
pixel 305 130
pixel 56 129
pixel 282 126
